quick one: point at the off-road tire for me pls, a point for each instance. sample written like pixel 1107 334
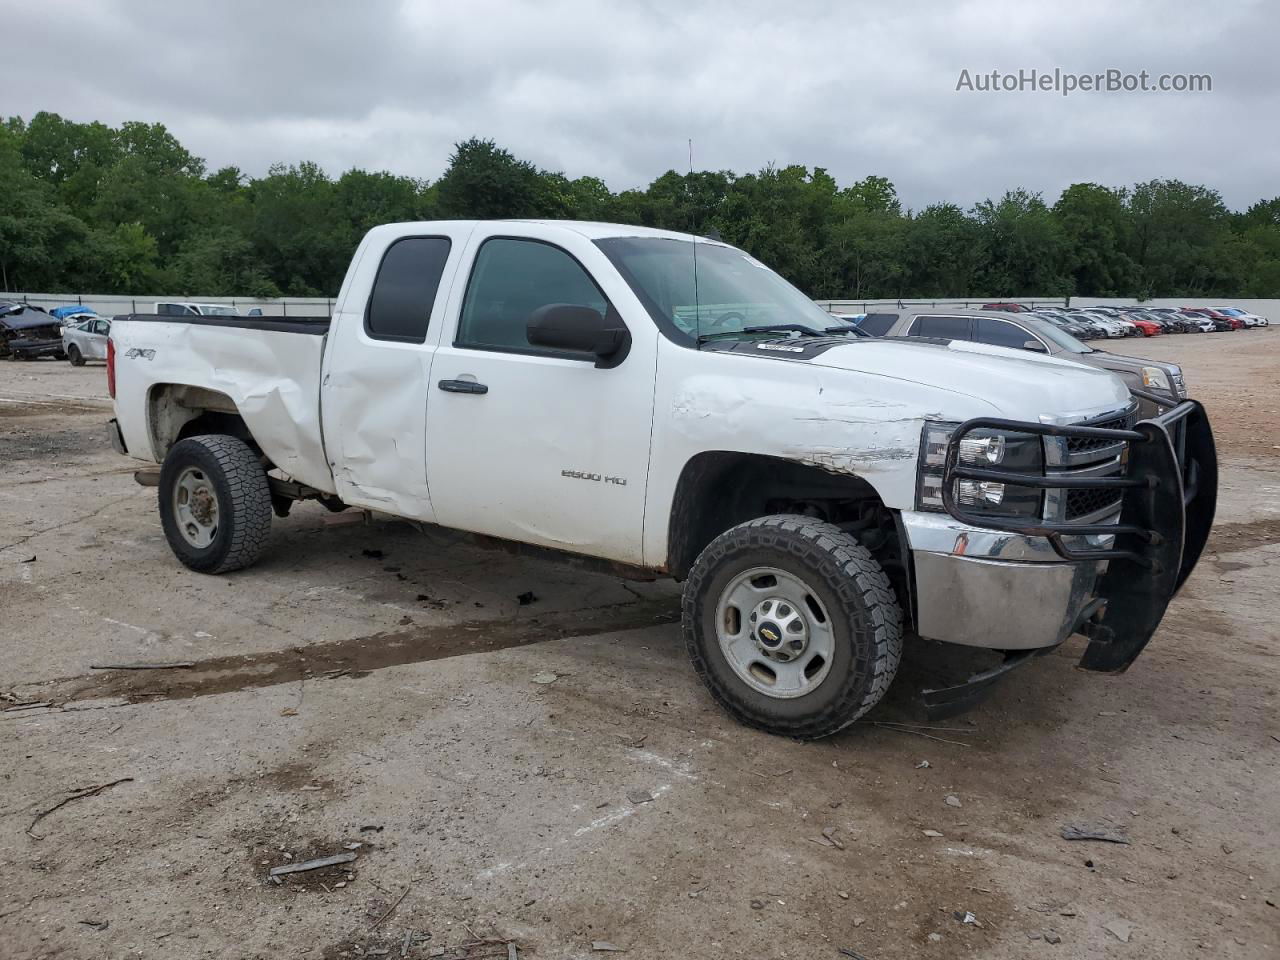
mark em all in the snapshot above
pixel 75 356
pixel 244 502
pixel 859 600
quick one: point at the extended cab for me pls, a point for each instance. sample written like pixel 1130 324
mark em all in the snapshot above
pixel 671 406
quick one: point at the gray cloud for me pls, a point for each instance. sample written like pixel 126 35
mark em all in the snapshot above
pixel 615 90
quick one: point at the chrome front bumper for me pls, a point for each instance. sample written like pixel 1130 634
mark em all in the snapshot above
pixel 992 589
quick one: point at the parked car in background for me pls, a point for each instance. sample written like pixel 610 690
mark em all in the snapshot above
pixel 72 313
pixel 1171 323
pixel 1024 331
pixel 27 333
pixel 1118 317
pixel 1193 322
pixel 1221 322
pixel 1250 319
pixel 1146 326
pixel 1111 328
pixel 186 308
pixel 1201 323
pixel 1093 327
pixel 1075 329
pixel 86 340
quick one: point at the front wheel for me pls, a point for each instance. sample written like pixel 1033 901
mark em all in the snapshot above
pixel 215 503
pixel 792 625
pixel 75 356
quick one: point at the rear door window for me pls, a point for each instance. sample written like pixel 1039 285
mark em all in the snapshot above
pixel 404 291
pixel 942 328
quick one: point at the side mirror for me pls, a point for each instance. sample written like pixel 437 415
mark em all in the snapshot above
pixel 580 329
pixel 1035 345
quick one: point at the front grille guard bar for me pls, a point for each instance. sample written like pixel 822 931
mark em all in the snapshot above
pixel 1146 431
pixel 1170 493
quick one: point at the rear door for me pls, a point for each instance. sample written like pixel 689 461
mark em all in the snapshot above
pixel 526 443
pixel 375 388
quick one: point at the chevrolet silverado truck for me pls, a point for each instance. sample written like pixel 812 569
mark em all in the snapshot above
pixel 665 405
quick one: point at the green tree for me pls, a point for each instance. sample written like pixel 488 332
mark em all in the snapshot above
pixel 297 230
pixel 1096 231
pixel 1175 226
pixel 942 252
pixel 486 182
pixel 1023 247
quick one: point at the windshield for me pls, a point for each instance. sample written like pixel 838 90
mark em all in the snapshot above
pixel 733 290
pixel 1061 338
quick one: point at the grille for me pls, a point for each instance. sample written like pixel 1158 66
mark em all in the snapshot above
pixel 1084 444
pixel 1084 501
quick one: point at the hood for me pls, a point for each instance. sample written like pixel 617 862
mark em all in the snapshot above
pixel 1114 361
pixel 27 320
pixel 1018 384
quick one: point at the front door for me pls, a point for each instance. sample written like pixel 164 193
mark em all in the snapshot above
pixel 526 443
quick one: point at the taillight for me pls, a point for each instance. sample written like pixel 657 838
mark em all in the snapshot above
pixel 111 368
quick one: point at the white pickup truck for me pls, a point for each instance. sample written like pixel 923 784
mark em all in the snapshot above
pixel 668 405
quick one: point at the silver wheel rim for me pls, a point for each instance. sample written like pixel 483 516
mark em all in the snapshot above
pixel 195 507
pixel 775 632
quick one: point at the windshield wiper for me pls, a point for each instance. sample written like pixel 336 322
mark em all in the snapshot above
pixel 799 328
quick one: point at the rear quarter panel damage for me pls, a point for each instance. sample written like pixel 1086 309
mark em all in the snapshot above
pixel 273 382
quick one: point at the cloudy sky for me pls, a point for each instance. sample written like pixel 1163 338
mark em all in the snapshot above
pixel 615 89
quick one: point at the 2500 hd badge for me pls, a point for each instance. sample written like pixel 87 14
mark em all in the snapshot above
pixel 597 477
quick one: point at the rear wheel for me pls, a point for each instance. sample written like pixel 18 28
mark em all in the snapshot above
pixel 215 503
pixel 74 355
pixel 792 625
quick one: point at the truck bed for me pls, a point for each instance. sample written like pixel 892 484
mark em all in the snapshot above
pixel 268 368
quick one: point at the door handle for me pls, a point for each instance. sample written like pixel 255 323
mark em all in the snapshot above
pixel 463 386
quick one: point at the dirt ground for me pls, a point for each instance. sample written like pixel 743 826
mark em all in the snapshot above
pixel 373 691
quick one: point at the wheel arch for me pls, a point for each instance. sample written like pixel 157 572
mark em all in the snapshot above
pixel 719 489
pixel 176 411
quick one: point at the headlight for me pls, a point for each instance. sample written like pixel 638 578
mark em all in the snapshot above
pixel 984 449
pixel 1155 377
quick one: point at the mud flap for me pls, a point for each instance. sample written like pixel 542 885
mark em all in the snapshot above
pixel 1177 506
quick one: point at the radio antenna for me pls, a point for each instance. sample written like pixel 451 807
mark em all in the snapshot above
pixel 697 304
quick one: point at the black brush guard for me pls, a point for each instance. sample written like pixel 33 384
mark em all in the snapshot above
pixel 1170 491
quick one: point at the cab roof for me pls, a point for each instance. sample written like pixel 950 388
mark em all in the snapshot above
pixel 592 230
